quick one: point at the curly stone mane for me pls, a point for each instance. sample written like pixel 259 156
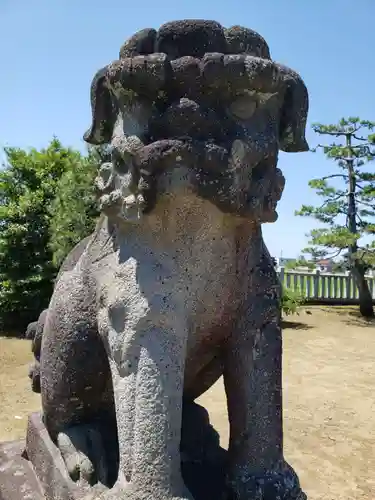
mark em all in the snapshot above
pixel 186 93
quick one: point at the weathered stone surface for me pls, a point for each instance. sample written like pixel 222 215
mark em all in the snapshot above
pixel 36 345
pixel 176 287
pixel 35 329
pixel 49 467
pixel 17 478
pixel 30 330
pixel 73 257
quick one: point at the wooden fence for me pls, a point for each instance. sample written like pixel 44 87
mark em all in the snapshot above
pixel 319 287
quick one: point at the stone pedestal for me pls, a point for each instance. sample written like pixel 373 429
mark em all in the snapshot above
pixel 34 470
pixel 49 467
pixel 17 478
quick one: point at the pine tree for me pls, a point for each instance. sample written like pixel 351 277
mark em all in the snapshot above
pixel 348 207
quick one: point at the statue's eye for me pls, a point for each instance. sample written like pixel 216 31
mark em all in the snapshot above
pixel 243 107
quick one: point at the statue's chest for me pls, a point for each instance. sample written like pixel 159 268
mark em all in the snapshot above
pixel 194 286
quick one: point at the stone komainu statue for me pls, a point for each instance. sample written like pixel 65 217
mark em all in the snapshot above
pixel 176 287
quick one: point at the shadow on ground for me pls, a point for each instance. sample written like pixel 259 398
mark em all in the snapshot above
pixel 349 315
pixel 354 318
pixel 295 325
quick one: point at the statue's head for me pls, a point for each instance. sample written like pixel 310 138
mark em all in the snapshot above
pixel 202 99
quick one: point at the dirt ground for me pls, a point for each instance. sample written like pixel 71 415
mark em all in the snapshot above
pixel 329 401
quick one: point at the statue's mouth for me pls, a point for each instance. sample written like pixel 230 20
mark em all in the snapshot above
pixel 232 162
pixel 223 174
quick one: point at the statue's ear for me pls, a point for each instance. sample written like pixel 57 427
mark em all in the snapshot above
pixel 293 113
pixel 104 111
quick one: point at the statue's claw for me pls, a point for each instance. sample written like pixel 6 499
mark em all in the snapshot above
pixel 82 449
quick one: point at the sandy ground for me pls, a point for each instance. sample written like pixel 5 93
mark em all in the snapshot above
pixel 329 401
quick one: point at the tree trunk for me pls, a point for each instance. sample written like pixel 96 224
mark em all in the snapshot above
pixel 365 299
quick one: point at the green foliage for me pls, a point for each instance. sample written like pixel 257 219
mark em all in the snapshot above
pixel 74 210
pixel 291 300
pixel 47 205
pixel 300 262
pixel 291 264
pixel 348 199
pixel 351 151
pixel 27 186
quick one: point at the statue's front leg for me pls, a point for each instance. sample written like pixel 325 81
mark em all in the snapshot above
pixel 253 383
pixel 149 412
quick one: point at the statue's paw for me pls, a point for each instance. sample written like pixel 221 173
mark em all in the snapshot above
pixel 282 484
pixel 83 452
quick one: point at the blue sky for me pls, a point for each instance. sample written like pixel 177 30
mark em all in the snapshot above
pixel 50 50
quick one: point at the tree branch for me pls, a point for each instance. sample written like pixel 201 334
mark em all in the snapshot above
pixel 365 203
pixel 360 138
pixel 332 200
pixel 343 176
pixel 362 224
pixel 364 252
pixel 333 255
pixel 336 254
pixel 336 133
